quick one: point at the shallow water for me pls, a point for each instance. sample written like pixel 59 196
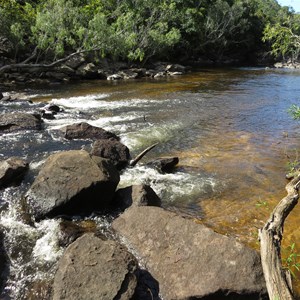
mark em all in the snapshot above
pixel 230 129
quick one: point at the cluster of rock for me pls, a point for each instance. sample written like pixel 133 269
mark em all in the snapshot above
pixel 287 65
pixel 180 258
pixel 79 67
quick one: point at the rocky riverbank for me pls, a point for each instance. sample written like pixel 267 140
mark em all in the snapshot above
pixel 82 68
pixel 146 253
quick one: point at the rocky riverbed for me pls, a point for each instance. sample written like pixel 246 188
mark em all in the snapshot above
pixel 144 252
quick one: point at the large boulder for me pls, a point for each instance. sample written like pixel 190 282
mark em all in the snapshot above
pixel 92 268
pixel 113 150
pixel 11 122
pixel 86 131
pixel 12 171
pixel 136 195
pixel 189 260
pixel 72 182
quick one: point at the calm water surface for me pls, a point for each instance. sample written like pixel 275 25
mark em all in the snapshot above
pixel 229 128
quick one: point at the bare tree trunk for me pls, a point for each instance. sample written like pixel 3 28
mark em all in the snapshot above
pixel 26 65
pixel 278 281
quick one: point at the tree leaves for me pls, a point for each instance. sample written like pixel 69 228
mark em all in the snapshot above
pixel 141 29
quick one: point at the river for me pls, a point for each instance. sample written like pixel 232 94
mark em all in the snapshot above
pixel 229 127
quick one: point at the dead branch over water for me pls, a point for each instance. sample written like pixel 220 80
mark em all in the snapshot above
pixel 278 280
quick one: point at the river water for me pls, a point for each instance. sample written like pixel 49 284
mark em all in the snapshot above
pixel 229 127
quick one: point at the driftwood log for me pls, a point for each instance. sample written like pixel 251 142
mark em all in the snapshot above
pixel 278 280
pixel 141 155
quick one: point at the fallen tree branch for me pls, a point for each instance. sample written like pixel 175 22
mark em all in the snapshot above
pixel 26 65
pixel 141 155
pixel 278 280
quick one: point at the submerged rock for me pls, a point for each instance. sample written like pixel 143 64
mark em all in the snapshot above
pixel 92 268
pixel 113 150
pixel 72 182
pixel 189 260
pixel 70 231
pixel 11 122
pixel 136 195
pixel 12 171
pixel 86 131
pixel 164 165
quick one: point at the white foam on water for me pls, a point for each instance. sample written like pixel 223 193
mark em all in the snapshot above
pixel 118 123
pixel 115 123
pixel 81 102
pixel 47 248
pixel 96 101
pixel 168 186
pixel 10 223
pixel 57 124
pixel 35 165
pixel 151 133
pixel 33 96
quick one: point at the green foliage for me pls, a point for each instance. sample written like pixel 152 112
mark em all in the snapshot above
pixel 260 204
pixel 143 29
pixel 283 34
pixel 15 21
pixel 294 111
pixel 292 165
pixel 292 262
pixel 59 26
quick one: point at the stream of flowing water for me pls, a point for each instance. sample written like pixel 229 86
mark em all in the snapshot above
pixel 229 127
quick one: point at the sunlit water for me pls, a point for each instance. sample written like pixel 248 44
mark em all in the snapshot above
pixel 229 128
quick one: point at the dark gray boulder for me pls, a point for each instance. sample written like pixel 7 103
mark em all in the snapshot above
pixel 11 122
pixel 113 150
pixel 1 96
pixel 165 164
pixel 12 171
pixel 86 131
pixel 92 268
pixel 51 107
pixel 72 182
pixel 189 260
pixel 136 195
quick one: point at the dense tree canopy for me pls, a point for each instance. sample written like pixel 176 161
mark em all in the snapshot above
pixel 138 30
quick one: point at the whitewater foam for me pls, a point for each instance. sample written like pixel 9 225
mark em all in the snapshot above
pixel 47 246
pixel 167 185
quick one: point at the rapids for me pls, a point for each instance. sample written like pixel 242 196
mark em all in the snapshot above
pixel 229 127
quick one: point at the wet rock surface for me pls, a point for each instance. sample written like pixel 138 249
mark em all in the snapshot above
pixel 92 268
pixel 12 171
pixel 189 260
pixel 11 122
pixel 136 195
pixel 164 165
pixel 72 182
pixel 113 150
pixel 86 131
